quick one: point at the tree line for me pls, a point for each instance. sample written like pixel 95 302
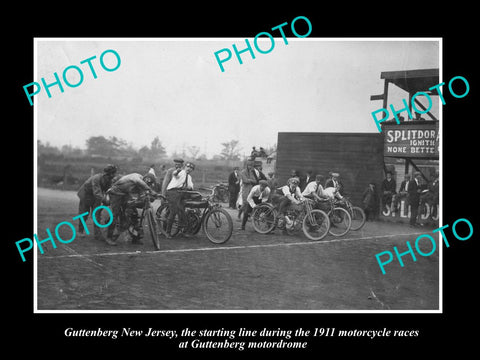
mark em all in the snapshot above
pixel 116 147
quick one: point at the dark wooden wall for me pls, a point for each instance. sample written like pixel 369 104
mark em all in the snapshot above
pixel 358 157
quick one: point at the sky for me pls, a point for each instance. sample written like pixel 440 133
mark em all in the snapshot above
pixel 174 89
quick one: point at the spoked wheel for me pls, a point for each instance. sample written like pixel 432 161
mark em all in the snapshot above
pixel 263 218
pixel 218 226
pixel 340 221
pixel 358 218
pixel 316 225
pixel 153 228
pixel 162 216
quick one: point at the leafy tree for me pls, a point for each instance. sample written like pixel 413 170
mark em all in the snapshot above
pixel 99 145
pixel 46 149
pixel 157 151
pixel 231 150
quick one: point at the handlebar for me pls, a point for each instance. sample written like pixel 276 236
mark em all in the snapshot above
pixel 154 195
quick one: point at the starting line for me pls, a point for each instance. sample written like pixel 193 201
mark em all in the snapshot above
pixel 139 252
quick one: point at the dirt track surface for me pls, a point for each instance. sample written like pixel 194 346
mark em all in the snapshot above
pixel 249 272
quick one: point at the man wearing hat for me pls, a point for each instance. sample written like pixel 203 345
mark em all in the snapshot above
pixel 91 193
pixel 181 180
pixel 233 186
pixel 286 195
pixel 257 171
pixel 413 196
pixel 178 163
pixel 314 189
pixel 258 194
pixel 333 181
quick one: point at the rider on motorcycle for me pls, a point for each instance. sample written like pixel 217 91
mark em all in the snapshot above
pixel 287 195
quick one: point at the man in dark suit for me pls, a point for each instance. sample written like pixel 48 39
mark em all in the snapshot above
pixel 389 189
pixel 414 197
pixel 233 187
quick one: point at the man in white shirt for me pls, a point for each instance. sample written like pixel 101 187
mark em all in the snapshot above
pixel 181 180
pixel 286 195
pixel 314 189
pixel 178 164
pixel 259 194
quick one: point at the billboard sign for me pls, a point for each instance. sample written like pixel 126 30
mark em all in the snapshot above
pixel 411 140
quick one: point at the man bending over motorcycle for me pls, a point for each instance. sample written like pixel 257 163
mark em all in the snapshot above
pixel 123 201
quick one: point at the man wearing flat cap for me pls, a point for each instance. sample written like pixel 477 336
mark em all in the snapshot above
pixel 91 193
pixel 178 163
pixel 181 180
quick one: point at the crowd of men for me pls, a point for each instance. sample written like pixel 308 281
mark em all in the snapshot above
pixel 412 190
pixel 122 192
pixel 247 188
pixel 250 187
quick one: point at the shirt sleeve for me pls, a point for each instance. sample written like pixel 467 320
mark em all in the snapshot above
pixel 250 196
pixel 266 195
pixel 190 182
pixel 298 194
pixel 310 188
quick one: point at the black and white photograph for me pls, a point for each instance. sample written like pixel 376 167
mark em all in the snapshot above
pixel 154 130
pixel 272 191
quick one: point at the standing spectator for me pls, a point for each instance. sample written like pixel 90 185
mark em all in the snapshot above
pixel 233 187
pixel 248 180
pixel 91 193
pixel 181 180
pixel 178 163
pixel 389 187
pixel 402 193
pixel 413 196
pixel 370 201
pixel 257 171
